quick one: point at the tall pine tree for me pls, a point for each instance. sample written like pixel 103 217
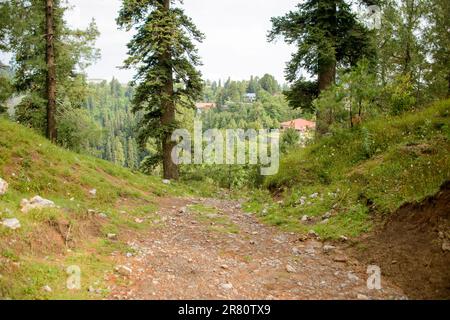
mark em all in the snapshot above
pixel 165 57
pixel 51 68
pixel 49 59
pixel 327 34
pixel 438 36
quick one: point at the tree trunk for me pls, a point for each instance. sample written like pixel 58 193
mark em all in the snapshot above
pixel 326 79
pixel 448 90
pixel 168 118
pixel 327 75
pixel 51 71
pixel 327 70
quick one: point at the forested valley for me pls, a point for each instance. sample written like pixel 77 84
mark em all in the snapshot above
pixel 329 182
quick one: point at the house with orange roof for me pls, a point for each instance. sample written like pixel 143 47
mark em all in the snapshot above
pixel 299 125
pixel 204 106
pixel 305 128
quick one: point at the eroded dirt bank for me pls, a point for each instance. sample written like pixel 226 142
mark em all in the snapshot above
pixel 413 247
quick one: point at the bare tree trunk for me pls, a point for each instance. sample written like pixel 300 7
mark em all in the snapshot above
pixel 168 118
pixel 51 71
pixel 327 72
pixel 325 117
pixel 448 90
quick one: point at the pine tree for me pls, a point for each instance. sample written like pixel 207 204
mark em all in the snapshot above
pixel 438 36
pixel 49 58
pixel 109 153
pixel 51 68
pixel 118 152
pixel 132 154
pixel 269 83
pixel 166 59
pixel 327 34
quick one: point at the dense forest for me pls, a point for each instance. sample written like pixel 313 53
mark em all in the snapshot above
pixel 112 133
pixel 109 106
pixel 372 71
pixel 361 71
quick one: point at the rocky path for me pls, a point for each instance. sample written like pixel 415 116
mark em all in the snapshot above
pixel 228 254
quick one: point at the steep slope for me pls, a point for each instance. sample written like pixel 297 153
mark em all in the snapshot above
pixel 384 185
pixel 413 247
pixel 83 228
pixel 353 176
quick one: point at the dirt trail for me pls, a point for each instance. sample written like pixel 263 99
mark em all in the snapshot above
pixel 190 258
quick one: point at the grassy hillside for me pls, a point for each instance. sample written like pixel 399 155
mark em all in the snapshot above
pixel 372 169
pixel 76 232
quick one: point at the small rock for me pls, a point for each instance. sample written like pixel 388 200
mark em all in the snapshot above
pixel 446 246
pixel 3 187
pixel 295 251
pixel 91 211
pixel 310 251
pixel 290 269
pixel 47 289
pixel 305 218
pixel 326 216
pixel 112 236
pixel 182 211
pixel 35 203
pixel 139 221
pixel 362 297
pixel 129 255
pixel 328 248
pixel 166 181
pixel 264 212
pixel 352 277
pixel 12 224
pixel 325 221
pixel 226 286
pixel 340 259
pixel 93 192
pixel 343 238
pixel 102 215
pixel 224 267
pixel 123 271
pixel 314 195
pixel 312 234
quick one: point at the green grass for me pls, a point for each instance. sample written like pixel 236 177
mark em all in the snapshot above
pixel 378 166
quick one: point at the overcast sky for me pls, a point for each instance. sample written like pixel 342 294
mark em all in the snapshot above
pixel 235 43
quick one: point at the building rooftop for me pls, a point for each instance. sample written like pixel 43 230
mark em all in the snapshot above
pixel 299 124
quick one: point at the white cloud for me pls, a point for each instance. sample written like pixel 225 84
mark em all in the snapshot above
pixel 235 43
